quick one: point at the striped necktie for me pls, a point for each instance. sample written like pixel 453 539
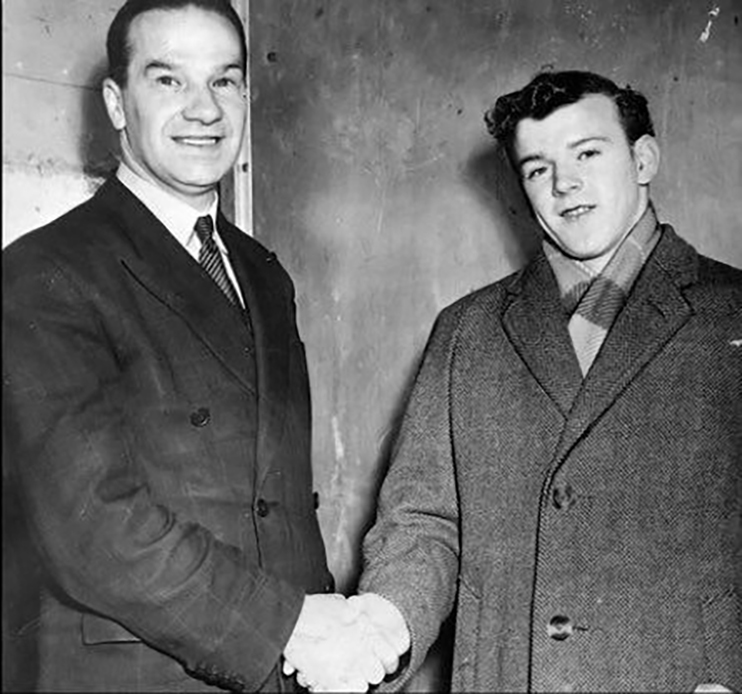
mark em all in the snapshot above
pixel 211 259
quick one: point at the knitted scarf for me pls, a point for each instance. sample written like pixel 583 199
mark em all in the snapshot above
pixel 593 300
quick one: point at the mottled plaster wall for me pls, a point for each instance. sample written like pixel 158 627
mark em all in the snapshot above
pixel 377 184
pixel 56 140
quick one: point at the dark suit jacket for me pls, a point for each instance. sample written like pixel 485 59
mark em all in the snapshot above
pixel 166 477
pixel 588 533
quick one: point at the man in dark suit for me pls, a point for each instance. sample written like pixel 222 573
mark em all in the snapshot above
pixel 156 400
pixel 568 475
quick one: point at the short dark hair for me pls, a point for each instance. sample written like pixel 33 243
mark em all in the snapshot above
pixel 118 45
pixel 548 91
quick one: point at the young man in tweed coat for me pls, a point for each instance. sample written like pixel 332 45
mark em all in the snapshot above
pixel 568 472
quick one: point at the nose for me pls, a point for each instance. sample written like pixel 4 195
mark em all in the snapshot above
pixel 202 106
pixel 566 180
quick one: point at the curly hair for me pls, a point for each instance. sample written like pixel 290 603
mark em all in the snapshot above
pixel 548 91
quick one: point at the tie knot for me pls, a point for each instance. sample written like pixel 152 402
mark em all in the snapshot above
pixel 204 228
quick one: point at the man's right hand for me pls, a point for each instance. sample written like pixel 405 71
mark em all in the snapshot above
pixel 386 628
pixel 333 650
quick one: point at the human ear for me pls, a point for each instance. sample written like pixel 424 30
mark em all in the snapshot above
pixel 114 100
pixel 647 158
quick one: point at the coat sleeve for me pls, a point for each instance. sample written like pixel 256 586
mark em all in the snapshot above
pixel 411 554
pixel 106 541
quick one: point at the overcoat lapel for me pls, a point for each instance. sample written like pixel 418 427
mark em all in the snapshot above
pixel 535 323
pixel 165 269
pixel 656 309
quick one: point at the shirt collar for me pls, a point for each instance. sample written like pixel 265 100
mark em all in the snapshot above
pixel 178 217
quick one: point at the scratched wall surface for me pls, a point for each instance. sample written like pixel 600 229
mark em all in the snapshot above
pixel 56 141
pixel 377 184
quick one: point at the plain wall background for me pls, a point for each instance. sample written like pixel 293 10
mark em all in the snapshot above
pixel 376 183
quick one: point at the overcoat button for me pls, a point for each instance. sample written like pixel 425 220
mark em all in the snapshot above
pixel 201 417
pixel 559 628
pixel 263 508
pixel 315 499
pixel 563 496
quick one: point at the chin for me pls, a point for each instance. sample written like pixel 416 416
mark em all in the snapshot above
pixel 584 254
pixel 202 179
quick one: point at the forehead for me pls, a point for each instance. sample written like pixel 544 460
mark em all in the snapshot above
pixel 183 33
pixel 595 115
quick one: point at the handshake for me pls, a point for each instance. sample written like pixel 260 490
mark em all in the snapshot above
pixel 345 645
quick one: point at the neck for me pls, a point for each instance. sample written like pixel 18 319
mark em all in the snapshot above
pixel 201 202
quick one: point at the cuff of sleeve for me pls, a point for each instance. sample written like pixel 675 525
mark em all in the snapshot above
pixel 254 640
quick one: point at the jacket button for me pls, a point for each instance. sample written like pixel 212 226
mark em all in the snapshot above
pixel 201 417
pixel 559 628
pixel 262 508
pixel 315 500
pixel 563 496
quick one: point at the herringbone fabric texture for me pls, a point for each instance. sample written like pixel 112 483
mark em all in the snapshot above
pixel 594 300
pixel 211 259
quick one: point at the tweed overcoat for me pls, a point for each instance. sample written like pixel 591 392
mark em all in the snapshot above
pixel 587 533
pixel 166 475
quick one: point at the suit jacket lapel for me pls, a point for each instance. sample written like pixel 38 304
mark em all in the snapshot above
pixel 536 325
pixel 656 309
pixel 159 263
pixel 268 315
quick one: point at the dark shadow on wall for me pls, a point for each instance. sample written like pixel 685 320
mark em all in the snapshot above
pixel 489 173
pixel 99 142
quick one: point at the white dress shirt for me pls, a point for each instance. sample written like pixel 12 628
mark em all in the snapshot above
pixel 177 217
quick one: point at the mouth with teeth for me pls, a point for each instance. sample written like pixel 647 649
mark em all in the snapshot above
pixel 198 140
pixel 576 212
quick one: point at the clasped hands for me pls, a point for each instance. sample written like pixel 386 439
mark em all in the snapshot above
pixel 345 645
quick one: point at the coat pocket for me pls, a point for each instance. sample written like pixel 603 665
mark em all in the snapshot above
pixel 96 630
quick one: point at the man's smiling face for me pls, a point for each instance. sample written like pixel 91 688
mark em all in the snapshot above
pixel 181 113
pixel 586 184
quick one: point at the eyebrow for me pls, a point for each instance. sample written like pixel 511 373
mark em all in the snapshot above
pixel 162 65
pixel 531 157
pixel 158 65
pixel 572 145
pixel 585 140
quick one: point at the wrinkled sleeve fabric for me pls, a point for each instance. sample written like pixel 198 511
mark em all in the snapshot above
pixel 411 554
pixel 108 543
